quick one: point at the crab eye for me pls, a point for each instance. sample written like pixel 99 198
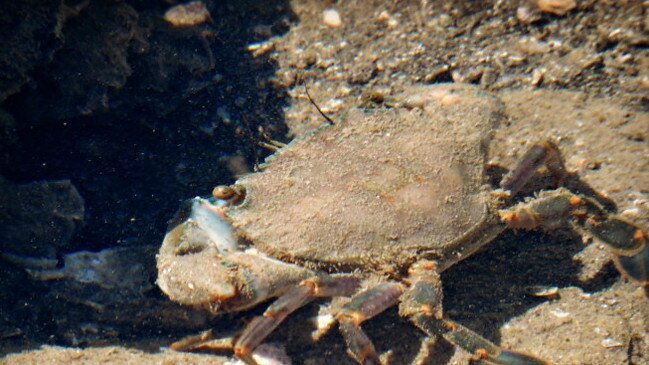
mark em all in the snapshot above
pixel 223 192
pixel 233 194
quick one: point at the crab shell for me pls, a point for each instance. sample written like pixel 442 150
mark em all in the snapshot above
pixel 380 189
pixel 375 192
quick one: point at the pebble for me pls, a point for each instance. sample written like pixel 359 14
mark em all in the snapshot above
pixel 526 15
pixel 331 17
pixel 386 18
pixel 445 20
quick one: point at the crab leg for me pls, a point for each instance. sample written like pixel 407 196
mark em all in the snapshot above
pixel 626 240
pixel 364 306
pixel 543 153
pixel 422 303
pixel 484 350
pixel 260 327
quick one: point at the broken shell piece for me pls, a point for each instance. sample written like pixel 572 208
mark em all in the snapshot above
pixel 611 342
pixel 192 13
pixel 543 291
pixel 267 354
pixel 112 268
pixel 556 7
pixel 559 313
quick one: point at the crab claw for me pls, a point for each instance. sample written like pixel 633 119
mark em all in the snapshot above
pixel 198 279
pixel 199 225
pixel 232 283
pixel 635 267
pixel 629 245
pixel 200 264
pixel 190 261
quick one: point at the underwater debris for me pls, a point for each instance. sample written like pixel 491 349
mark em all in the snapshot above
pixel 184 15
pixel 39 218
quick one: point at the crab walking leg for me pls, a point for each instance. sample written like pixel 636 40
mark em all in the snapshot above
pixel 362 307
pixel 422 302
pixel 543 153
pixel 260 327
pixel 484 350
pixel 205 340
pixel 627 242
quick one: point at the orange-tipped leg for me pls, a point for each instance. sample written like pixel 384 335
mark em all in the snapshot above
pixel 359 346
pixel 260 327
pixel 422 303
pixel 543 153
pixel 627 241
pixel 484 351
pixel 363 307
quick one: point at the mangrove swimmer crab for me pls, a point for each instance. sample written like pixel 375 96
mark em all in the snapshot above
pixel 398 194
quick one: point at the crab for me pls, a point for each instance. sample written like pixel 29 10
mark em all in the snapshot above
pixel 398 194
